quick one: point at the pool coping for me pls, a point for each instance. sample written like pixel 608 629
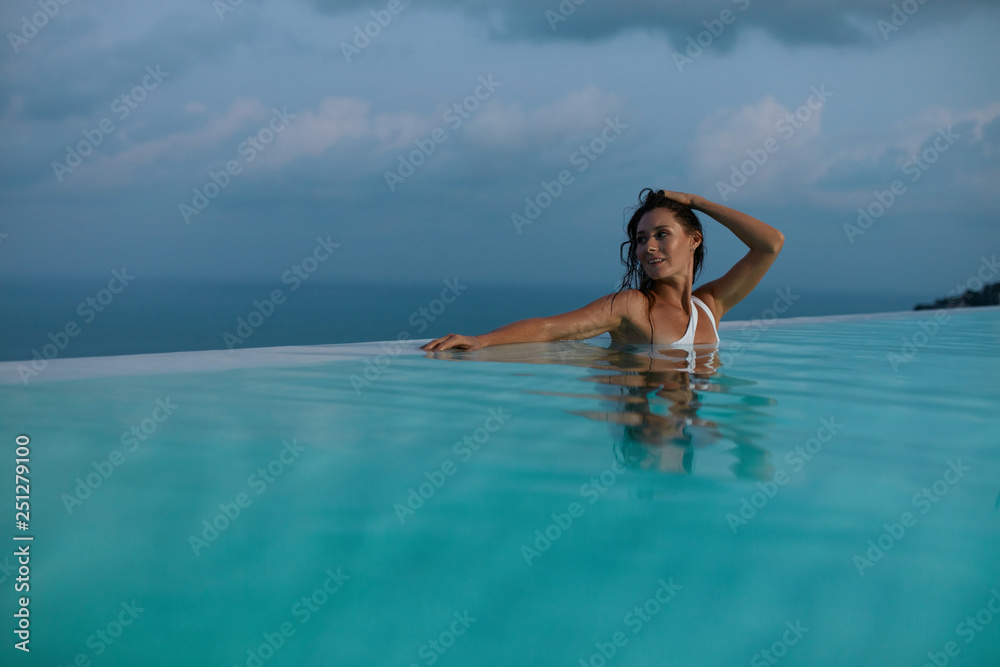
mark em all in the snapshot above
pixel 28 372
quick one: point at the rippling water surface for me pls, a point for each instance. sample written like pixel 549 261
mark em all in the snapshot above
pixel 819 492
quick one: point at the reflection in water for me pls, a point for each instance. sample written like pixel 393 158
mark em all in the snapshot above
pixel 653 396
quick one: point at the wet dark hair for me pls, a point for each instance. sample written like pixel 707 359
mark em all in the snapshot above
pixel 635 278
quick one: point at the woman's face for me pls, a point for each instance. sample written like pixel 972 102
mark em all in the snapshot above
pixel 663 247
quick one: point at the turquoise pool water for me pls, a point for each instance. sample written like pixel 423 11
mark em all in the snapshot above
pixel 818 492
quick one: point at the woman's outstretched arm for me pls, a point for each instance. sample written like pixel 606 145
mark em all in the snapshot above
pixel 764 241
pixel 592 320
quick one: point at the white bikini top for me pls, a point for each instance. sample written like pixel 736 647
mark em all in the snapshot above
pixel 688 337
pixel 691 356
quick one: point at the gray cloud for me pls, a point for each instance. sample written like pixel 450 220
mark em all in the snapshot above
pixel 793 22
pixel 53 78
pixel 121 205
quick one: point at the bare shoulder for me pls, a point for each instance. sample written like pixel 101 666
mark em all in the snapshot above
pixel 627 302
pixel 705 294
pixel 615 310
pixel 609 313
pixel 631 307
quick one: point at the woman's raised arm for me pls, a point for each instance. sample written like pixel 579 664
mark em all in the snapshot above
pixel 764 241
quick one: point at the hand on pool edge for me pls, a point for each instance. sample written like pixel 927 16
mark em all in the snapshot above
pixel 453 341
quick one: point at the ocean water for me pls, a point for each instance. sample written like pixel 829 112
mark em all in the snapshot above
pixel 149 316
pixel 818 491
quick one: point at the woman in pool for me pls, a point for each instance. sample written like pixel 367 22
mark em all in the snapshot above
pixel 659 305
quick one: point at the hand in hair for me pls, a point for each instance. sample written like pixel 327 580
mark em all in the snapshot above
pixel 681 197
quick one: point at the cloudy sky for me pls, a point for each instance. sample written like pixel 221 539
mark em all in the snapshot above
pixel 219 140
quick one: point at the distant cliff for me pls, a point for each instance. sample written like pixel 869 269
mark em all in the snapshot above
pixel 988 296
